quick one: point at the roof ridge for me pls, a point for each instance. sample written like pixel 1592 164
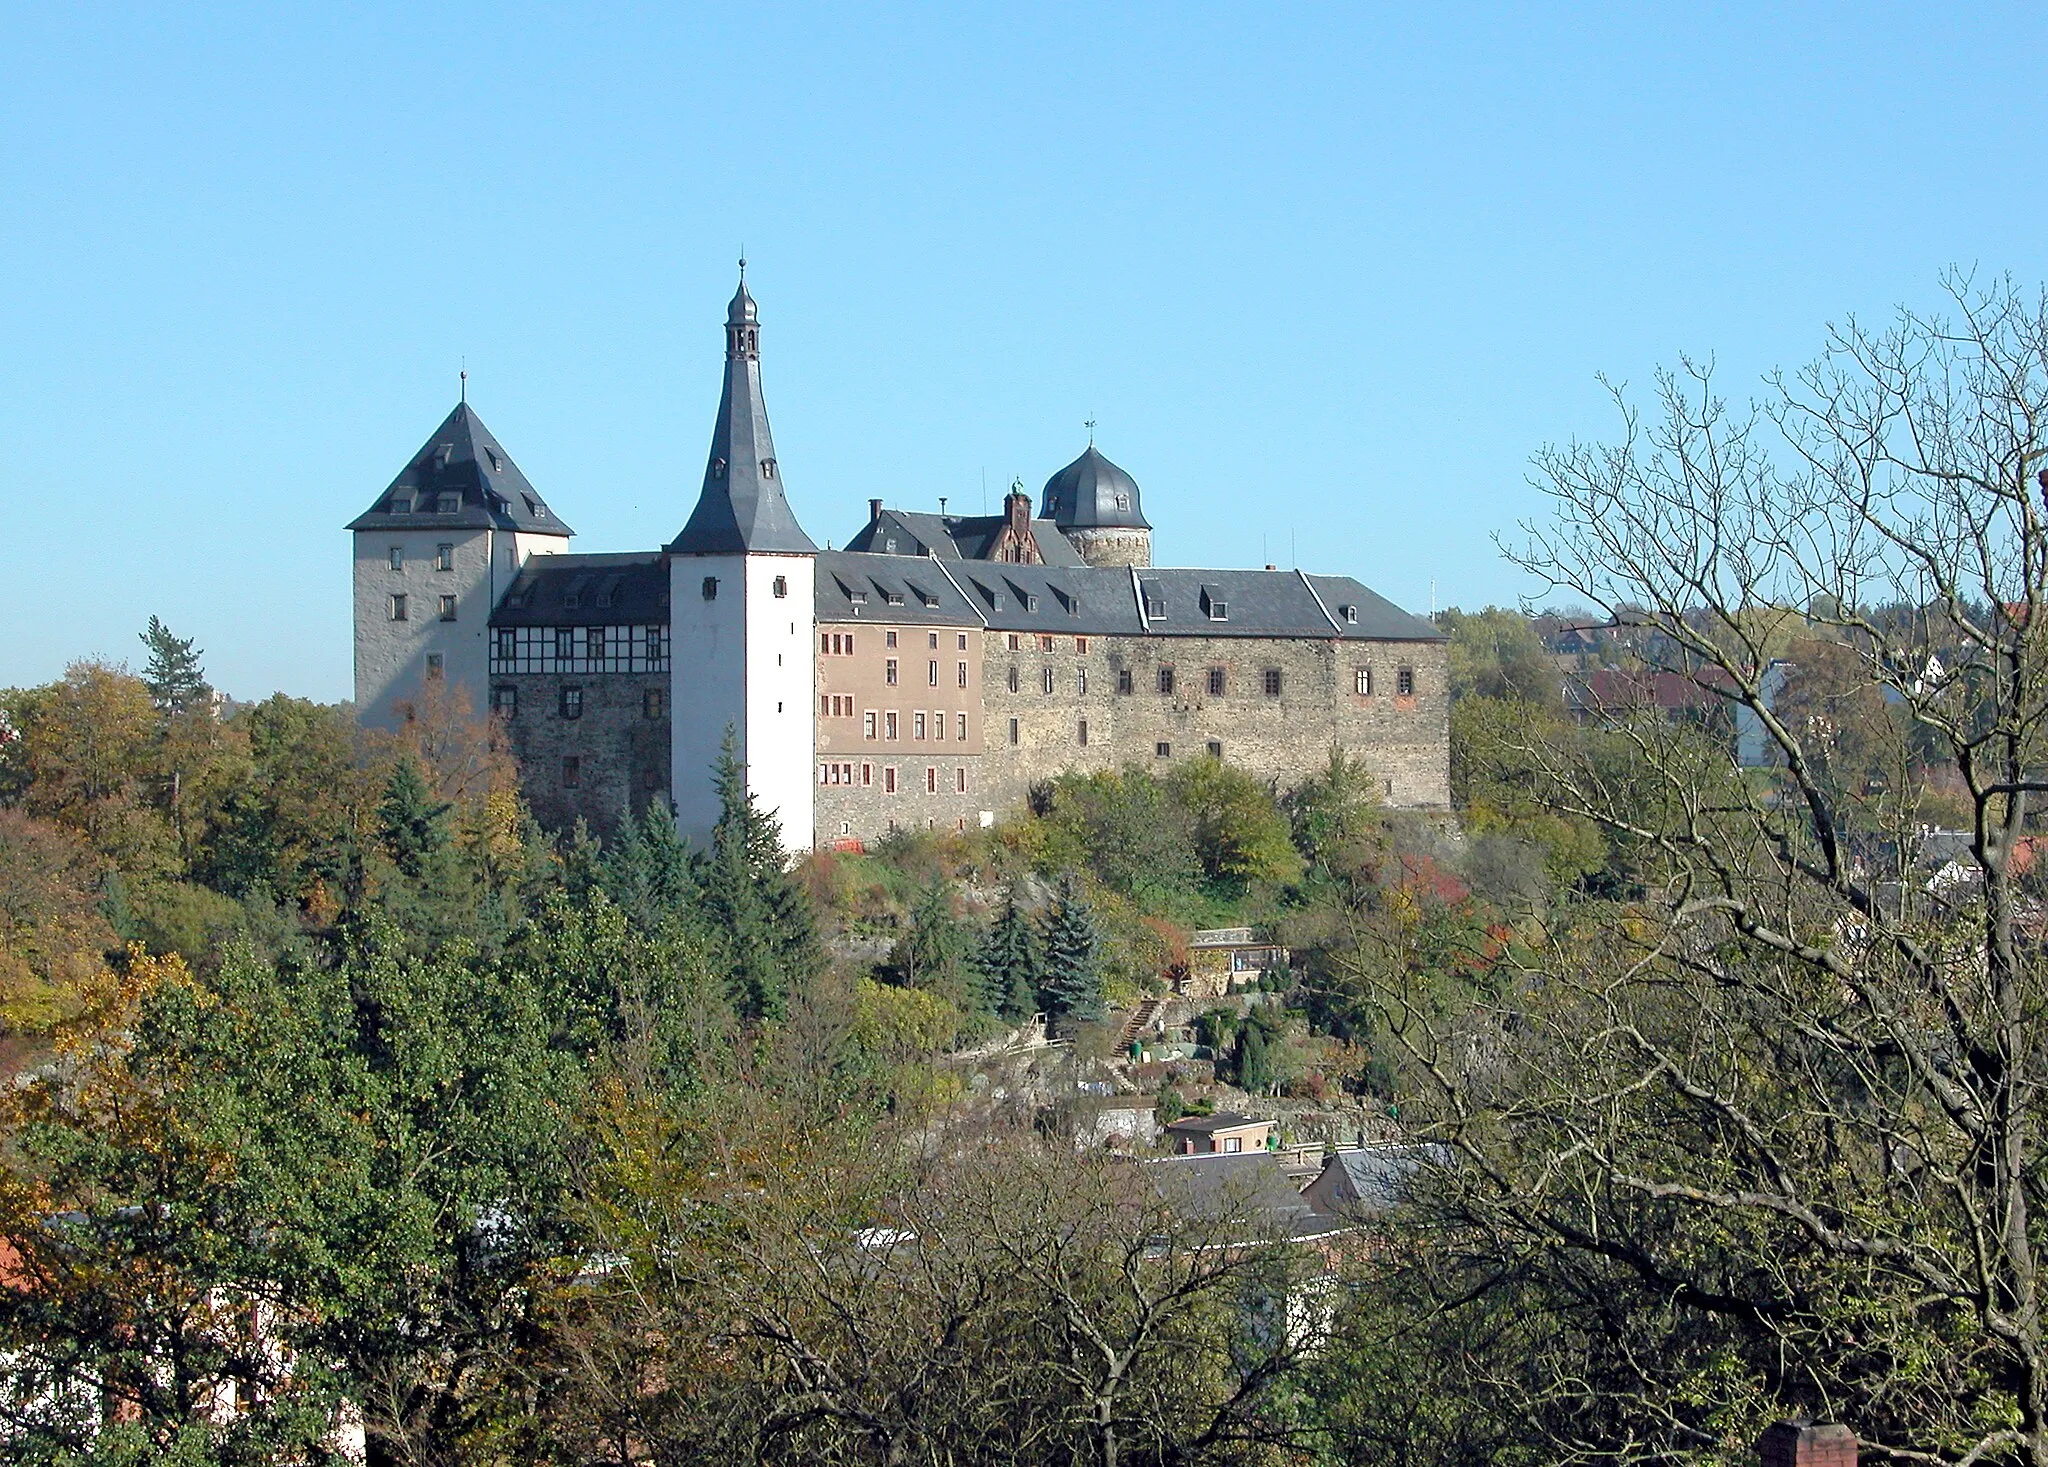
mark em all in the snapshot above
pixel 1335 625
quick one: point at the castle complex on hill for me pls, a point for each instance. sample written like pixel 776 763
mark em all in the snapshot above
pixel 924 677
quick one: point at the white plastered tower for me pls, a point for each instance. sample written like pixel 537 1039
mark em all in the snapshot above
pixel 742 615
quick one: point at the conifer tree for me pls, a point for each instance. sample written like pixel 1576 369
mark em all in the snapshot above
pixel 936 953
pixel 760 911
pixel 1010 965
pixel 412 822
pixel 176 679
pixel 647 872
pixel 1073 958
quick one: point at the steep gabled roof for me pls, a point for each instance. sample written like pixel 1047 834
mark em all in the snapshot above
pixel 461 459
pixel 741 508
pixel 954 537
pixel 587 590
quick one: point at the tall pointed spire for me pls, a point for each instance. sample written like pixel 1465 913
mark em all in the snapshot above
pixel 742 508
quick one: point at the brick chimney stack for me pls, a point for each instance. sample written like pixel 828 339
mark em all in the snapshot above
pixel 1796 1444
pixel 874 510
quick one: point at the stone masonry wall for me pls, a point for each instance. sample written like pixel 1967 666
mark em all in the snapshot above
pixel 1286 738
pixel 622 754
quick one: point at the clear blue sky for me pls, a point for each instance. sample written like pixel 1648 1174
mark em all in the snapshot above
pixel 1325 275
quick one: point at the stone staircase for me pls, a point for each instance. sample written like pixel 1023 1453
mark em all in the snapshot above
pixel 1138 1021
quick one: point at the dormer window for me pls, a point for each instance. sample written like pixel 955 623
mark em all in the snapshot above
pixel 718 468
pixel 889 546
pixel 534 507
pixel 1350 614
pixel 492 455
pixel 1123 504
pixel 1030 602
pixel 1219 611
pixel 858 598
pixel 400 504
pixel 449 504
pixel 767 468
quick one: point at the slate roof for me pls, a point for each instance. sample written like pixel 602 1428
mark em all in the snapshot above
pixel 1221 1121
pixel 462 459
pixel 1256 1185
pixel 741 507
pixel 587 590
pixel 955 537
pixel 1372 1180
pixel 853 586
pixel 1084 495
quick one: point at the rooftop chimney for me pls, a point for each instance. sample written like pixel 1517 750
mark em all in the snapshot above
pixel 1798 1444
pixel 874 510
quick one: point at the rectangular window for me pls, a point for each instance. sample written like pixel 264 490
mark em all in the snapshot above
pixel 447 608
pixel 825 704
pixel 401 506
pixel 1081 645
pixel 891 638
pixel 932 640
pixel 1123 680
pixel 1163 749
pixel 593 644
pixel 889 780
pixel 1215 748
pixel 449 504
pixel 505 701
pixel 867 724
pixel 1013 679
pixel 1045 681
pixel 1272 682
pixel 867 775
pixel 891 672
pixel 1015 642
pixel 398 557
pixel 962 726
pixel 508 645
pixel 710 588
pixel 1081 681
pixel 565 645
pixel 1361 682
pixel 1083 735
pixel 650 702
pixel 963 674
pixel 1404 682
pixel 931 779
pixel 825 643
pixel 932 675
pixel 780 587
pixel 889 724
pixel 1014 731
pixel 433 664
pixel 963 641
pixel 398 606
pixel 917 725
pixel 1166 680
pixel 572 772
pixel 1045 644
pixel 572 702
pixel 444 557
pixel 1218 681
pixel 1233 1143
pixel 960 779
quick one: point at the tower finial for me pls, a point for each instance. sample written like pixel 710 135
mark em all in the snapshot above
pixel 1090 426
pixel 464 377
pixel 743 264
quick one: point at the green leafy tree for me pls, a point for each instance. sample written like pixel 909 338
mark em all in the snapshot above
pixel 1010 959
pixel 174 672
pixel 1498 653
pixel 1073 958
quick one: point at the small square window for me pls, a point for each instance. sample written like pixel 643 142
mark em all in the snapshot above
pixel 1045 644
pixel 1219 679
pixel 1081 645
pixel 444 557
pixel 505 701
pixel 1015 642
pixel 572 703
pixel 1404 682
pixel 433 664
pixel 1272 682
pixel 1163 749
pixel 1215 748
pixel 781 587
pixel 650 703
pixel 398 607
pixel 447 608
pixel 398 557
pixel 572 772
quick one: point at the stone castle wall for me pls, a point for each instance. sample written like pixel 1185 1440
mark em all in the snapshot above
pixel 1113 547
pixel 621 753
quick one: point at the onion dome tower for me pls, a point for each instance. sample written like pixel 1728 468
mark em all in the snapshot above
pixel 1095 504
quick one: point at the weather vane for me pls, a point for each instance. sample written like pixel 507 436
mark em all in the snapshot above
pixel 1090 426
